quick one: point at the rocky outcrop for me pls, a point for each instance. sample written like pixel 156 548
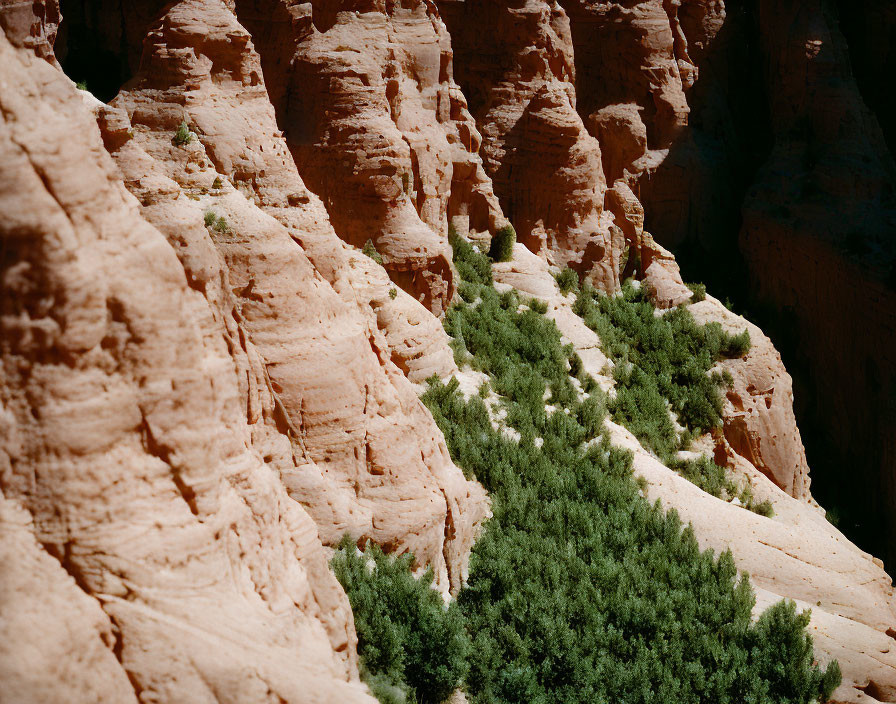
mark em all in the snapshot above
pixel 204 381
pixel 32 26
pixel 126 438
pixel 378 129
pixel 515 63
pixel 365 445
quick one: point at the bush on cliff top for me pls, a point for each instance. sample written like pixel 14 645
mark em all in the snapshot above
pixel 502 244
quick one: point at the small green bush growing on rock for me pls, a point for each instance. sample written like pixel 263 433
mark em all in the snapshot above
pixel 567 280
pixel 502 244
pixel 698 291
pixel 473 267
pixel 183 135
pixel 370 250
pixel 215 222
pixel 412 646
pixel 217 183
pixel 393 292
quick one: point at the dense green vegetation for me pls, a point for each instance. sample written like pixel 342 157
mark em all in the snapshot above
pixel 502 244
pixel 412 646
pixel 567 280
pixel 661 362
pixel 580 590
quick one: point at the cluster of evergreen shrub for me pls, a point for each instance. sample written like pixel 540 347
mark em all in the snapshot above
pixel 502 244
pixel 215 222
pixel 567 280
pixel 580 590
pixel 413 647
pixel 182 135
pixel 661 363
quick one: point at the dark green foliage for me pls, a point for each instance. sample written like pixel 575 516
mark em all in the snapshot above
pixel 413 647
pixel 706 474
pixel 502 244
pixel 537 306
pixel 567 280
pixel 81 85
pixel 781 658
pixel 699 291
pixel 370 250
pixel 580 590
pixel 523 355
pixel 473 267
pixel 393 292
pixel 662 364
pixel 763 508
pixel 183 135
pixel 736 345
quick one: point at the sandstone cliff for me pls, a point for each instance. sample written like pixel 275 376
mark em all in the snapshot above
pixel 204 382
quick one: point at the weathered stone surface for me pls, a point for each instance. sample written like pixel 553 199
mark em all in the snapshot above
pixel 371 460
pixel 190 408
pixel 378 129
pixel 515 64
pixel 56 643
pixel 126 435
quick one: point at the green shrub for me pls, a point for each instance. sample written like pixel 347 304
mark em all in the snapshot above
pixel 369 249
pixel 183 135
pixel 81 85
pixel 472 267
pixel 736 346
pixel 763 508
pixel 502 244
pixel 579 589
pixel 567 280
pixel 217 183
pixel 662 363
pixel 411 644
pixel 706 474
pixel 698 291
pixel 215 222
pixel 537 306
pixel 393 292
pixel 779 649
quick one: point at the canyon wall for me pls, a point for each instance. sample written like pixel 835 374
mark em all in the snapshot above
pixel 204 383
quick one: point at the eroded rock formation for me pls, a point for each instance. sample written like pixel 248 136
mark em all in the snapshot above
pixel 204 382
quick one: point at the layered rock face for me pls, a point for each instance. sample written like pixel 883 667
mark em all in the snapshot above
pixel 126 453
pixel 378 128
pixel 204 382
pixel 519 77
pixel 354 420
